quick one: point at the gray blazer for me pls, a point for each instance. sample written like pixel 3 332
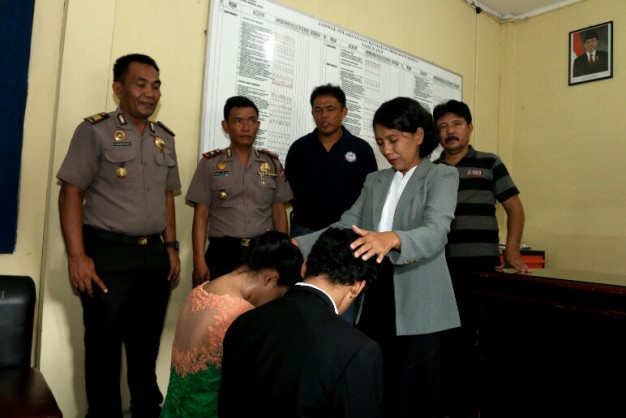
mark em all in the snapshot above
pixel 424 299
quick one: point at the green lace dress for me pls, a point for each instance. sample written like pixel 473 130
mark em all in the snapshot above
pixel 195 374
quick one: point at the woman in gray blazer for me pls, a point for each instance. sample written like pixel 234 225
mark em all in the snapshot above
pixel 403 216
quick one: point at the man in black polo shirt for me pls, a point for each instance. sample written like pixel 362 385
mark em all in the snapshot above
pixel 326 168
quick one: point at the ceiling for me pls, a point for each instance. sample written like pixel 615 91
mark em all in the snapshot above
pixel 518 9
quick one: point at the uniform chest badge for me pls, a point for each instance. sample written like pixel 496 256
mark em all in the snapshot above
pixel 221 166
pixel 350 157
pixel 159 143
pixel 119 135
pixel 265 168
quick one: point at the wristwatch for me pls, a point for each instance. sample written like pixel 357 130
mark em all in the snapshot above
pixel 172 244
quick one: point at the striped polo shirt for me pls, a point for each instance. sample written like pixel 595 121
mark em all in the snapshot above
pixel 473 236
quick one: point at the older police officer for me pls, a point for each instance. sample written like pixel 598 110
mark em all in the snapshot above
pixel 117 216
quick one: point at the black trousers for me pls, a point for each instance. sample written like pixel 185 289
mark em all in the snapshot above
pixel 412 363
pixel 225 254
pixel 461 356
pixel 131 314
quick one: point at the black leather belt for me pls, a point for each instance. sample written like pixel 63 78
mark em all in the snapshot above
pixel 244 242
pixel 122 238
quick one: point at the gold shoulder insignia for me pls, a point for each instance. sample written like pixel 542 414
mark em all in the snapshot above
pixel 212 154
pixel 98 117
pixel 267 152
pixel 168 130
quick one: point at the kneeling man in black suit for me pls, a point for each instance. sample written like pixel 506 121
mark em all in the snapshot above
pixel 295 357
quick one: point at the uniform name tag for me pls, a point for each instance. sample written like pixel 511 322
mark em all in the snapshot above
pixel 121 144
pixel 221 173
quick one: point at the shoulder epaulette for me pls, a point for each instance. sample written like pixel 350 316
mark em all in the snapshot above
pixel 98 117
pixel 267 152
pixel 212 154
pixel 168 130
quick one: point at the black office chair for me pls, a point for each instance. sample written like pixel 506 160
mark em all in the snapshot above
pixel 24 392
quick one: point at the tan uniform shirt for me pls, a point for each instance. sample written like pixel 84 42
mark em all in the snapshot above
pixel 240 198
pixel 124 175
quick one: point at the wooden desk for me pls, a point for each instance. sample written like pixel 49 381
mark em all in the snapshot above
pixel 24 393
pixel 551 343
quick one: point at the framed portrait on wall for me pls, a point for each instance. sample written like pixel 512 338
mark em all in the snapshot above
pixel 590 53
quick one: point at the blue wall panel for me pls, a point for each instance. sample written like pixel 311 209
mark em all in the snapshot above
pixel 16 21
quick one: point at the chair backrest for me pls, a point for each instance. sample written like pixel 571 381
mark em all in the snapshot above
pixel 17 310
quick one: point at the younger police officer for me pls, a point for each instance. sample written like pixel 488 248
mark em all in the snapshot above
pixel 123 167
pixel 241 190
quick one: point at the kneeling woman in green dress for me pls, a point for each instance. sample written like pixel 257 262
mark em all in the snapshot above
pixel 273 265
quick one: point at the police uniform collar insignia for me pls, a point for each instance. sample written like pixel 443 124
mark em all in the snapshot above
pixel 98 117
pixel 121 119
pixel 165 128
pixel 152 128
pixel 212 154
pixel 256 152
pixel 268 153
pixel 229 152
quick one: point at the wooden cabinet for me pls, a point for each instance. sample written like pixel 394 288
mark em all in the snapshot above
pixel 551 344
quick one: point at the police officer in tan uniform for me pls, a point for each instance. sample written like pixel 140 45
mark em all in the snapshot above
pixel 239 192
pixel 117 216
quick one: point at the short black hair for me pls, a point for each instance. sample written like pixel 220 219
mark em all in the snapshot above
pixel 120 68
pixel 238 101
pixel 329 90
pixel 406 115
pixel 332 256
pixel 274 250
pixel 452 106
pixel 589 34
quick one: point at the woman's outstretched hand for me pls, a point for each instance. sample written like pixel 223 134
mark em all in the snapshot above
pixel 374 243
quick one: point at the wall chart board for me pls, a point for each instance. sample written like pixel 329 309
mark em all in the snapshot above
pixel 277 56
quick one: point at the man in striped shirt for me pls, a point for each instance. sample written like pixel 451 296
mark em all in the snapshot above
pixel 473 239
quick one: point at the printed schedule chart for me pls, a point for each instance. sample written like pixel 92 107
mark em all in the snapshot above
pixel 277 56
